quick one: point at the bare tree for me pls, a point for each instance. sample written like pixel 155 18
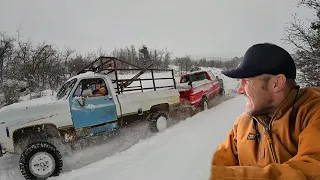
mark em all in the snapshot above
pixel 306 39
pixel 185 63
pixel 166 60
pixel 6 51
pixel 143 56
pixel 26 68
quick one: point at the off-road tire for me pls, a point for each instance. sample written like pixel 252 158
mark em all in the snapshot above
pixel 154 118
pixel 31 150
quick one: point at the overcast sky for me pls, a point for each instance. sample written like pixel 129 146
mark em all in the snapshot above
pixel 202 27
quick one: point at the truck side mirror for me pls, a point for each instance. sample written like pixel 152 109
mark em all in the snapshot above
pixel 109 97
pixel 81 100
pixel 190 83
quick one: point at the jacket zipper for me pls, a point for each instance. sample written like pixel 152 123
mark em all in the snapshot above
pixel 260 145
pixel 259 138
pixel 268 130
pixel 273 154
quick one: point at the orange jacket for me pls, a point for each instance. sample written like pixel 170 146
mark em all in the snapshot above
pixel 101 92
pixel 284 149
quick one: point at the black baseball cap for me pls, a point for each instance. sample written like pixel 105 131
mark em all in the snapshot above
pixel 264 58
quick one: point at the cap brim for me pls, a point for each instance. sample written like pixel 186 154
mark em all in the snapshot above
pixel 239 73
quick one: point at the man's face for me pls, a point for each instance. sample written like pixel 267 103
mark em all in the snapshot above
pixel 98 86
pixel 259 99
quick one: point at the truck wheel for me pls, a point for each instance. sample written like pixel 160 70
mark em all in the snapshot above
pixel 222 92
pixel 40 160
pixel 204 104
pixel 158 121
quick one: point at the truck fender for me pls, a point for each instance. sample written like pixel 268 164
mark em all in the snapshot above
pixel 22 137
pixel 160 107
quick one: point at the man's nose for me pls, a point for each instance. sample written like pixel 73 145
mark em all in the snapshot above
pixel 241 88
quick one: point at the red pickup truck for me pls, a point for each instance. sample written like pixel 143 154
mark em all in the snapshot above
pixel 198 88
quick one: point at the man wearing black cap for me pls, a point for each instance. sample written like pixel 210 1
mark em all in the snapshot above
pixel 278 135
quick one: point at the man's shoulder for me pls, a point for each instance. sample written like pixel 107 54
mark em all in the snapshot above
pixel 312 91
pixel 243 118
pixel 310 96
pixel 310 102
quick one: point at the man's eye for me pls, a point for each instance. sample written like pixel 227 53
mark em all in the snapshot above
pixel 247 81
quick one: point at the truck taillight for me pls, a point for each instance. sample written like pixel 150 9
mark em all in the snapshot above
pixel 192 98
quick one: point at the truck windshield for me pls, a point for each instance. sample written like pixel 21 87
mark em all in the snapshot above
pixel 66 89
pixel 194 77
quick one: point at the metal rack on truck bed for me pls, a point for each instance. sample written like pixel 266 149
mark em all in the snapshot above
pixel 107 65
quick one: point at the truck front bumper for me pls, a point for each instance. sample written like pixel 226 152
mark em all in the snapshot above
pixel 6 146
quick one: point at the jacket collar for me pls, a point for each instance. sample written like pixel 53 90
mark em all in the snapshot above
pixel 287 103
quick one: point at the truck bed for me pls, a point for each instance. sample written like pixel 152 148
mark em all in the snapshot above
pixel 131 103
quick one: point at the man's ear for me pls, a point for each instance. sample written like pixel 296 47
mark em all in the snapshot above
pixel 278 82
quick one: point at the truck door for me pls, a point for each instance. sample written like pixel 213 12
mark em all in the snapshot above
pixel 92 107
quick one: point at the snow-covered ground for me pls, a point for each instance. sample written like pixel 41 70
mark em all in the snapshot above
pixel 182 152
